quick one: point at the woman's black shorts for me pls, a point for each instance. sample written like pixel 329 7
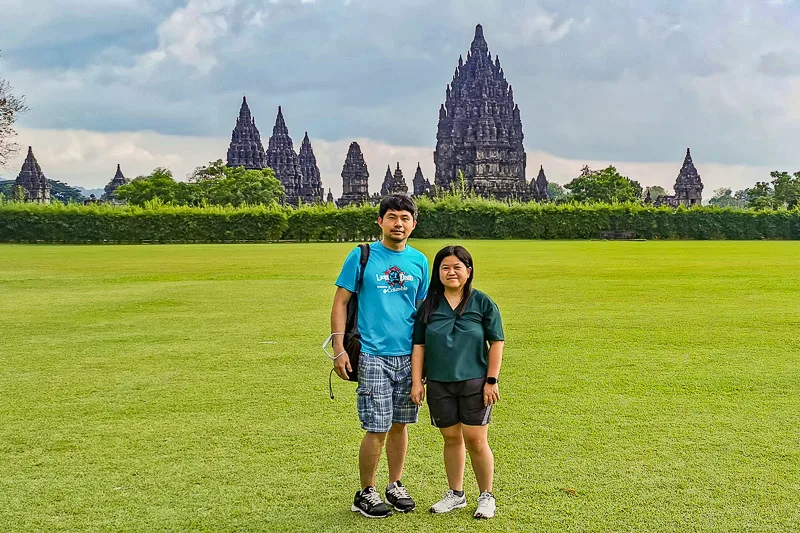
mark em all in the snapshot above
pixel 457 401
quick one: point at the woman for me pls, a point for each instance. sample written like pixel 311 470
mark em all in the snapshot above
pixel 451 333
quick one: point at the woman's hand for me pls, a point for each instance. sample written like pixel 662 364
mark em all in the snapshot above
pixel 491 394
pixel 417 392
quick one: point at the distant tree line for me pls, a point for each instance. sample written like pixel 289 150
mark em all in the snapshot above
pixel 215 184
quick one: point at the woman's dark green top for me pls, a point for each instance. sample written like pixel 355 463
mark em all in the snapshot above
pixel 456 347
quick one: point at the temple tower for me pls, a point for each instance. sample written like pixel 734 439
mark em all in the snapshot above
pixel 118 180
pixel 282 158
pixel 538 188
pixel 421 185
pixel 246 149
pixel 394 184
pixel 32 180
pixel 480 129
pixel 355 178
pixel 311 190
pixel 688 186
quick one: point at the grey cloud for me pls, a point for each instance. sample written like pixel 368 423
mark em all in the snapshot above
pixel 780 64
pixel 634 82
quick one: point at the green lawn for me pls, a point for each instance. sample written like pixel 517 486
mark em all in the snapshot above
pixel 647 386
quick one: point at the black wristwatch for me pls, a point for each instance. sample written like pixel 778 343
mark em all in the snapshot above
pixel 491 381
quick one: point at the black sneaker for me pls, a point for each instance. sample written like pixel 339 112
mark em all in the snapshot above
pixel 368 502
pixel 399 498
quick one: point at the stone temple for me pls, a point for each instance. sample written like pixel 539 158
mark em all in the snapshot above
pixel 246 149
pixel 480 129
pixel 688 186
pixel 421 185
pixel 32 180
pixel 282 158
pixel 118 180
pixel 393 183
pixel 355 178
pixel 311 190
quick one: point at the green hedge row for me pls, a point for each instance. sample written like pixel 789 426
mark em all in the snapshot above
pixel 447 218
pixel 80 224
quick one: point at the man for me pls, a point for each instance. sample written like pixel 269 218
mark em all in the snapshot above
pixel 395 281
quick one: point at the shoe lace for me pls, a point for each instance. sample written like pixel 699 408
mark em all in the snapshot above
pixel 372 497
pixel 399 491
pixel 451 496
pixel 484 497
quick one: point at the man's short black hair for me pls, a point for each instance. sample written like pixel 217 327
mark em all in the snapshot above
pixel 398 202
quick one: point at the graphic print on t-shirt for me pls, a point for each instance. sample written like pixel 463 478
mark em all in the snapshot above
pixel 394 279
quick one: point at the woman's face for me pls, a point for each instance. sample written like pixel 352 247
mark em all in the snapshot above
pixel 453 273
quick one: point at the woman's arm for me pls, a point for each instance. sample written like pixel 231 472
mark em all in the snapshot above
pixel 417 362
pixel 491 393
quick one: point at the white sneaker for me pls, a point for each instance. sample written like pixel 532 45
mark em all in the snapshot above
pixel 486 506
pixel 449 503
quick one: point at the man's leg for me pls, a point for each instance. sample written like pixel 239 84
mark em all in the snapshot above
pixel 396 449
pixel 404 411
pixel 369 455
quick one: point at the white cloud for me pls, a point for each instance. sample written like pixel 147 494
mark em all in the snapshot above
pixel 189 33
pixel 544 26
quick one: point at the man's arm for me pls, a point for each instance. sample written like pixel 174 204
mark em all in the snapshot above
pixel 338 323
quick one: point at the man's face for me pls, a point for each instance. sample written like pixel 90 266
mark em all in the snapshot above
pixel 397 225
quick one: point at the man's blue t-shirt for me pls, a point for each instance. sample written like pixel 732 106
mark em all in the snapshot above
pixel 393 283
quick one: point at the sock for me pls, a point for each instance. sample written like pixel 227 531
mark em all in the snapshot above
pixel 458 493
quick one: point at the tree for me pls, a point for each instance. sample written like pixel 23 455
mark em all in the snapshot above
pixel 246 187
pixel 10 107
pixel 555 191
pixel 606 185
pixel 723 197
pixel 761 196
pixel 786 189
pixel 655 192
pixel 64 193
pixel 782 191
pixel 222 185
pixel 741 197
pixel 161 185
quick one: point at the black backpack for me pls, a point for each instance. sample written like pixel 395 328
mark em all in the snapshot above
pixel 352 338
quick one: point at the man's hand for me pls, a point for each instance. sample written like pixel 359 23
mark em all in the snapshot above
pixel 341 366
pixel 491 394
pixel 417 392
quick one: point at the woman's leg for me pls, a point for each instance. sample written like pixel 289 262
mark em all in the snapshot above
pixel 454 456
pixel 476 439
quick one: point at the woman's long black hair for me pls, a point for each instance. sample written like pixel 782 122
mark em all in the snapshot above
pixel 436 289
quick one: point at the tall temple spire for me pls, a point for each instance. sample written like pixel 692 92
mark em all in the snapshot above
pixel 32 180
pixel 311 190
pixel 421 185
pixel 282 159
pixel 480 129
pixel 118 180
pixel 246 149
pixel 538 188
pixel 688 185
pixel 355 178
pixel 394 183
pixel 387 182
pixel 479 44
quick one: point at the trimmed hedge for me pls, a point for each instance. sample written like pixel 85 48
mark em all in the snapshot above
pixel 76 223
pixel 443 218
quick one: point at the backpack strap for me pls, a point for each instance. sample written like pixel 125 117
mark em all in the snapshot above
pixel 363 262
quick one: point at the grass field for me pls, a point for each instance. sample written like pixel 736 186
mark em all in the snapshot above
pixel 647 386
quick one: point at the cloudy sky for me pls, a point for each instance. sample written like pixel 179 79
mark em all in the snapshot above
pixel 150 83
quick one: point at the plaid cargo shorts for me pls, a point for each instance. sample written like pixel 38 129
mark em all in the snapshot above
pixel 384 392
